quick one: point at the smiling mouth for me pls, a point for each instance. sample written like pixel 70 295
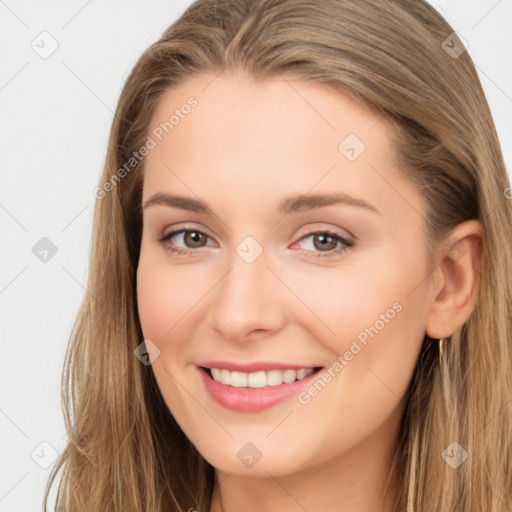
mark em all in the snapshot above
pixel 259 379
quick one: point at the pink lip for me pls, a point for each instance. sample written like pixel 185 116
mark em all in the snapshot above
pixel 252 367
pixel 251 399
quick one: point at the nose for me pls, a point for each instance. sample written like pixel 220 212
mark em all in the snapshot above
pixel 248 302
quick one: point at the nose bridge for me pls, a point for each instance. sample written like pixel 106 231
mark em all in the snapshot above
pixel 246 299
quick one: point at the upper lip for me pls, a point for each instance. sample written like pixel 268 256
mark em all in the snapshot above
pixel 254 367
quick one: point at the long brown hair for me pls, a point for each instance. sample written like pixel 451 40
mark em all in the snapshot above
pixel 401 59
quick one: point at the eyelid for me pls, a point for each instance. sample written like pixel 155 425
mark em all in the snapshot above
pixel 319 227
pixel 185 227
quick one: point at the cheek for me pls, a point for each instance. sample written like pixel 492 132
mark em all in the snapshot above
pixel 165 295
pixel 363 302
pixel 371 316
pixel 155 301
pixel 379 327
pixel 379 316
pixel 166 298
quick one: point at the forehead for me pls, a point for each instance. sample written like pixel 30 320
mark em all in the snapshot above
pixel 240 104
pixel 260 138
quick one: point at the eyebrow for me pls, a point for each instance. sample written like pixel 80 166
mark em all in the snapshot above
pixel 297 203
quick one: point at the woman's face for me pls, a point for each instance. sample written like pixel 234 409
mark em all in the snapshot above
pixel 297 245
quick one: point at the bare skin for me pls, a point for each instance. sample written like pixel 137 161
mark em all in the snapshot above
pixel 303 300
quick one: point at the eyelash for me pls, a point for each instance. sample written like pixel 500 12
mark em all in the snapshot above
pixel 347 244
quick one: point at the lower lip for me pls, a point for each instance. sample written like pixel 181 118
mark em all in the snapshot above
pixel 252 399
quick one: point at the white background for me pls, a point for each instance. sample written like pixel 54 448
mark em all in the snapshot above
pixel 55 117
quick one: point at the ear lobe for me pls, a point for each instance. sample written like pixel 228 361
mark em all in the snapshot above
pixel 455 280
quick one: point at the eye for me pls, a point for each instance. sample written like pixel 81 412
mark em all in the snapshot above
pixel 192 238
pixel 325 243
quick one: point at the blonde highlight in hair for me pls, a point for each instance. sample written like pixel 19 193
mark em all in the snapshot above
pixel 125 451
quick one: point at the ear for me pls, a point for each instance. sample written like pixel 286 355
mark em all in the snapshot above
pixel 454 282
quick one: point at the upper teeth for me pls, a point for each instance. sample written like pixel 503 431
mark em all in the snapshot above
pixel 259 379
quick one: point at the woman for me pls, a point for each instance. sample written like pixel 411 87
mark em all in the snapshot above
pixel 299 295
